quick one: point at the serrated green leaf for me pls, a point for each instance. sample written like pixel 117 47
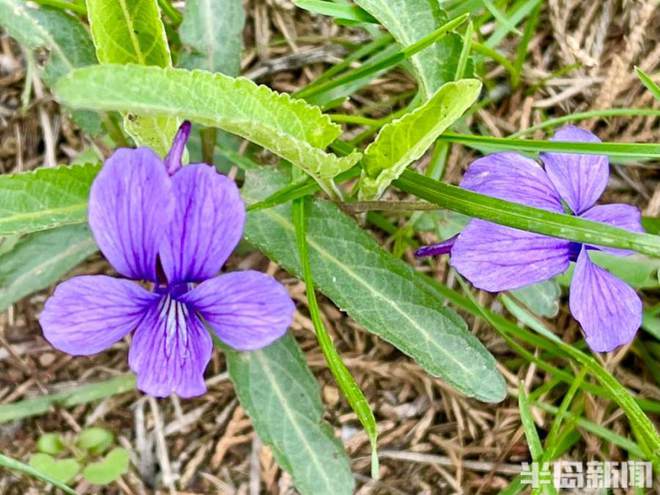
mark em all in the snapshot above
pixel 542 298
pixel 45 198
pixel 290 128
pixel 96 440
pixel 126 32
pixel 405 140
pixel 40 259
pixel 280 394
pixel 61 470
pixel 50 443
pixel 411 20
pixel 64 36
pixel 380 292
pixel 212 35
pixel 109 469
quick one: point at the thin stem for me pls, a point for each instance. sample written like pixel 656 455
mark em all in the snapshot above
pixel 64 5
pixel 170 11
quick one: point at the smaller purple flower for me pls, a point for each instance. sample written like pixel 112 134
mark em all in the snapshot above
pixel 497 258
pixel 172 227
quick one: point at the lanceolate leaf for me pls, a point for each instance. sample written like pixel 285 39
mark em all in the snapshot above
pixel 212 35
pixel 405 140
pixel 46 198
pixel 127 32
pixel 290 128
pixel 411 20
pixel 38 260
pixel 281 396
pixel 378 291
pixel 66 39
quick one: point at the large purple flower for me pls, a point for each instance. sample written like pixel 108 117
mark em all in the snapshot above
pixel 172 227
pixel 496 258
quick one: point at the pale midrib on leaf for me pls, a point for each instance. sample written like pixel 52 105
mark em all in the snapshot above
pixel 131 33
pixel 38 215
pixel 290 413
pixel 208 33
pixel 284 223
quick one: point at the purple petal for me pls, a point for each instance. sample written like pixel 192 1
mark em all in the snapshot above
pixel 129 207
pixel 580 179
pixel 512 177
pixel 619 215
pixel 497 258
pixel 170 351
pixel 174 156
pixel 248 310
pixel 206 226
pixel 88 314
pixel 608 309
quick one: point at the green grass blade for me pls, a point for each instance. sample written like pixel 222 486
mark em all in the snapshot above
pixel 648 82
pixel 336 10
pixel 342 375
pixel 525 217
pixel 15 465
pixel 626 150
pixel 533 440
pixel 390 61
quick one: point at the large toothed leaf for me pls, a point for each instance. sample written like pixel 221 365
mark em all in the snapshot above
pixel 282 397
pixel 64 36
pixel 405 140
pixel 290 128
pixel 37 260
pixel 212 35
pixel 411 20
pixel 126 32
pixel 46 198
pixel 382 293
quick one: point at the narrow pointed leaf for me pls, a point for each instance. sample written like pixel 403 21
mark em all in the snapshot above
pixel 290 128
pixel 126 32
pixel 405 140
pixel 281 395
pixel 377 290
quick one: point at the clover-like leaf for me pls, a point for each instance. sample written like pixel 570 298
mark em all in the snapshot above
pixel 95 440
pixel 111 467
pixel 50 443
pixel 63 470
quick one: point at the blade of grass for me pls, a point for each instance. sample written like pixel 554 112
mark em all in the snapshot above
pixel 465 51
pixel 390 61
pixel 575 117
pixel 336 10
pixel 532 436
pixel 627 150
pixel 648 82
pixel 15 465
pixel 78 395
pixel 343 377
pixel 555 429
pixel 521 49
pixel 524 217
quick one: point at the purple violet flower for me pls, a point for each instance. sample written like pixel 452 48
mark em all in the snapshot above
pixel 173 227
pixel 497 258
